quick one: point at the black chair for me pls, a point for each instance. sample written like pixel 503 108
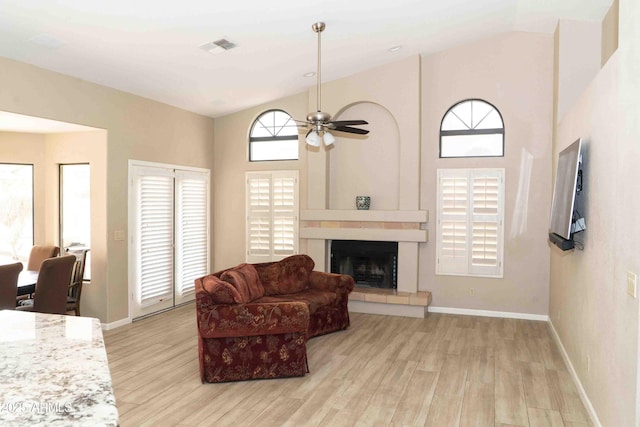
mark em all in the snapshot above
pixel 9 285
pixel 75 287
pixel 52 286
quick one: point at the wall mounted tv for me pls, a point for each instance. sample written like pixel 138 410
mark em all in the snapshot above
pixel 565 219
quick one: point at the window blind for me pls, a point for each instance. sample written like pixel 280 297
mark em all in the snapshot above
pixel 155 235
pixel 470 222
pixel 192 231
pixel 272 215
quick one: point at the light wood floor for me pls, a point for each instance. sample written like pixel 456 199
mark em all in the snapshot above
pixel 442 371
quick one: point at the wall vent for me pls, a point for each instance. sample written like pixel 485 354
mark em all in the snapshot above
pixel 218 46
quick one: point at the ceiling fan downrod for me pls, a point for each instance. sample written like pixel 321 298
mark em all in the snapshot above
pixel 319 117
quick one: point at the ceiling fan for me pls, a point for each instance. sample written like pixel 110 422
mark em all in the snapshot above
pixel 319 122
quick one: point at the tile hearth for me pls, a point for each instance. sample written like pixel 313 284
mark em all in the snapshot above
pixel 389 302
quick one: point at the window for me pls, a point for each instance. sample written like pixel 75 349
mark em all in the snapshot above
pixel 75 209
pixel 272 215
pixel 169 227
pixel 16 211
pixel 273 136
pixel 470 211
pixel 472 128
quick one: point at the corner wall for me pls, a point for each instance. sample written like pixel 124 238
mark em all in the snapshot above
pixel 589 305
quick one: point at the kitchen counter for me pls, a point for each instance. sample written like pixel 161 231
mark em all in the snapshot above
pixel 54 371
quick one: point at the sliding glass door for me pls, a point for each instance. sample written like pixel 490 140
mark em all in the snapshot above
pixel 169 228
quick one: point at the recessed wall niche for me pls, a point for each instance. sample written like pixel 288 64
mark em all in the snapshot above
pixel 366 165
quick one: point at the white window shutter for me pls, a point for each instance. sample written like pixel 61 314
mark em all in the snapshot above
pixel 486 222
pixel 272 215
pixel 154 188
pixel 452 234
pixel 192 231
pixel 469 236
pixel 258 205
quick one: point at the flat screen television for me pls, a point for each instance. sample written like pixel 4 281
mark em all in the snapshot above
pixel 564 219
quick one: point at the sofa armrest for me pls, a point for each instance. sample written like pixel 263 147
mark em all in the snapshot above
pixel 237 320
pixel 331 282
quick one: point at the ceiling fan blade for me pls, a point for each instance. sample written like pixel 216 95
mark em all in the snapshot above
pixel 348 129
pixel 349 122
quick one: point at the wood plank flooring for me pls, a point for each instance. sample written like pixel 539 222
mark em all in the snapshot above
pixel 445 370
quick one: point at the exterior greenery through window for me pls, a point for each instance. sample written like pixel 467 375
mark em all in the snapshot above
pixel 16 211
pixel 472 128
pixel 75 209
pixel 273 136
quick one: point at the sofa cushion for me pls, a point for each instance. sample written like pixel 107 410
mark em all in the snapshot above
pixel 287 276
pixel 315 299
pixel 244 278
pixel 221 292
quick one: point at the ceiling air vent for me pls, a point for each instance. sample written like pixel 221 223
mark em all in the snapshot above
pixel 219 46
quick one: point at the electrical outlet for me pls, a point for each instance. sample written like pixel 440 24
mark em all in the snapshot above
pixel 632 283
pixel 118 235
pixel 472 291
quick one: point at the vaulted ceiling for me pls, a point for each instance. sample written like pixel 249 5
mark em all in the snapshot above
pixel 152 48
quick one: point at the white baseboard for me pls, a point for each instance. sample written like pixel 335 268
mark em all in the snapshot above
pixel 576 380
pixel 489 313
pixel 116 324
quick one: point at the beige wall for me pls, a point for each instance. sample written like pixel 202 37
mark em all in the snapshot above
pixel 137 128
pixel 81 147
pixel 589 304
pixel 395 90
pixel 514 72
pixel 610 32
pixel 228 179
pixel 579 60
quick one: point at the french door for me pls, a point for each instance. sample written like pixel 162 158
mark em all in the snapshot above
pixel 169 235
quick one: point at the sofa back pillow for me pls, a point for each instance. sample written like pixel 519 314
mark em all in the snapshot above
pixel 221 292
pixel 288 276
pixel 244 278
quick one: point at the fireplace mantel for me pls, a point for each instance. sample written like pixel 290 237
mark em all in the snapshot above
pixel 391 226
pixel 364 215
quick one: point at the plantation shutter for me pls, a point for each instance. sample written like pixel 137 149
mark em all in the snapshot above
pixel 155 236
pixel 285 215
pixel 272 215
pixel 192 231
pixel 470 222
pixel 453 212
pixel 486 222
pixel 258 217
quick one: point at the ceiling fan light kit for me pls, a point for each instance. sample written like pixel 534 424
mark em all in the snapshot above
pixel 320 122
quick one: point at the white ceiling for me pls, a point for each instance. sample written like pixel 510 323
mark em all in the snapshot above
pixel 151 48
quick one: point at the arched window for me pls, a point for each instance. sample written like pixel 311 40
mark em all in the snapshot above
pixel 472 128
pixel 273 136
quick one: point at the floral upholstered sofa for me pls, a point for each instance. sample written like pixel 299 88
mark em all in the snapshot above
pixel 254 319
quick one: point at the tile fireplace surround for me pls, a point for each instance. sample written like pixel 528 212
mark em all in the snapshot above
pixel 408 228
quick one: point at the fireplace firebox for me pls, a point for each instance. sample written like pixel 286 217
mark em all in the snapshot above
pixel 371 264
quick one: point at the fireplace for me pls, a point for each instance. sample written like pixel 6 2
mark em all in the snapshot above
pixel 371 264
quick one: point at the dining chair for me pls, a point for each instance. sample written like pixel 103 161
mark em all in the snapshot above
pixel 9 285
pixel 39 254
pixel 52 286
pixel 77 276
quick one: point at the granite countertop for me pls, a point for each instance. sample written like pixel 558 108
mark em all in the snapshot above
pixel 54 371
